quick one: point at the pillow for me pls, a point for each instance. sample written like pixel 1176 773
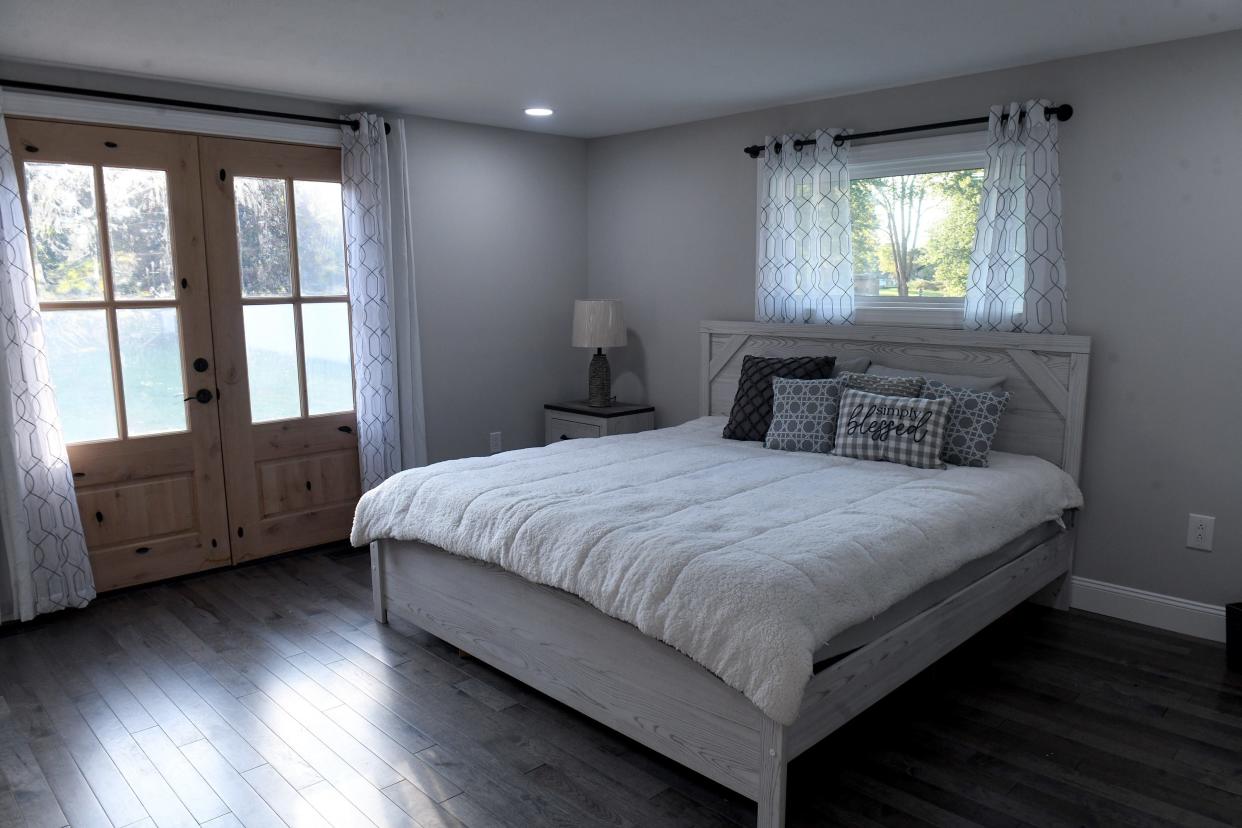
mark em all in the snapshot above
pixel 887 386
pixel 856 365
pixel 955 380
pixel 907 430
pixel 752 404
pixel 804 414
pixel 974 417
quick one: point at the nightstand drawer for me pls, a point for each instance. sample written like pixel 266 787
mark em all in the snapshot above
pixel 559 429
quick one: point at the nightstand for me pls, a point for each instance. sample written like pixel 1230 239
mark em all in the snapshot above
pixel 571 420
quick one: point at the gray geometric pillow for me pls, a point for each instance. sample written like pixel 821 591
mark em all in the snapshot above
pixel 908 430
pixel 974 417
pixel 804 414
pixel 888 386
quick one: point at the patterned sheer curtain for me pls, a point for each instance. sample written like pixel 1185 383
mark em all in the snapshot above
pixel 1017 269
pixel 384 321
pixel 43 561
pixel 804 271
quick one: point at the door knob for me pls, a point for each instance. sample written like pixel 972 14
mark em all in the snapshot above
pixel 201 395
pixel 201 365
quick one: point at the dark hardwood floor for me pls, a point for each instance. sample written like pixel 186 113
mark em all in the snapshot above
pixel 266 695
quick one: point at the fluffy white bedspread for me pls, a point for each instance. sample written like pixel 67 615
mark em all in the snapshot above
pixel 743 558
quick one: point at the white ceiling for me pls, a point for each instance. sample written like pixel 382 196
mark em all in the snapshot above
pixel 606 66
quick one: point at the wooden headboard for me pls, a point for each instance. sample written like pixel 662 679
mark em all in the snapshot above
pixel 1046 374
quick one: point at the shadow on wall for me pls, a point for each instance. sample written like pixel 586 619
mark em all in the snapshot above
pixel 629 366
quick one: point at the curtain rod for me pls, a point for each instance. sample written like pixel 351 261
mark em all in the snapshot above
pixel 1062 113
pixel 352 123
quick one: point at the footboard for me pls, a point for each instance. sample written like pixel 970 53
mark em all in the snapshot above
pixel 561 646
pixel 640 687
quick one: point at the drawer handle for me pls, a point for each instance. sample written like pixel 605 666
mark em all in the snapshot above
pixel 99 517
pixel 564 436
pixel 345 429
pixel 142 550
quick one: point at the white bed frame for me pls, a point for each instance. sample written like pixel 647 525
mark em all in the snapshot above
pixel 608 670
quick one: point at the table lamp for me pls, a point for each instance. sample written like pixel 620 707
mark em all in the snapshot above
pixel 598 324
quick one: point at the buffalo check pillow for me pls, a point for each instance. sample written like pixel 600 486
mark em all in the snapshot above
pixel 974 417
pixel 907 430
pixel 804 414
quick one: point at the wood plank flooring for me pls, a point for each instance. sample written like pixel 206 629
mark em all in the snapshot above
pixel 266 696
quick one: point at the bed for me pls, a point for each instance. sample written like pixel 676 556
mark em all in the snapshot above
pixel 736 693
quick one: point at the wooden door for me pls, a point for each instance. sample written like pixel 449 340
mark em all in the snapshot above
pixel 281 319
pixel 115 220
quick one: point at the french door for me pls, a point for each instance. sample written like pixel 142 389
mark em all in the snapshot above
pixel 197 333
pixel 115 218
pixel 276 259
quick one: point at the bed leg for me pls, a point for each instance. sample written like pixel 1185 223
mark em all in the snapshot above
pixel 1059 593
pixel 772 775
pixel 379 600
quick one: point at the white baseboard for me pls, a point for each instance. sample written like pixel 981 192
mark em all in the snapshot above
pixel 1151 608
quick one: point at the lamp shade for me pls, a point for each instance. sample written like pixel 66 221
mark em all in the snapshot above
pixel 598 324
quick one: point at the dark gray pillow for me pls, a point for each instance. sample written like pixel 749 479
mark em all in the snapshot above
pixel 889 386
pixel 804 414
pixel 752 404
pixel 974 417
pixel 955 380
pixel 853 365
pixel 906 430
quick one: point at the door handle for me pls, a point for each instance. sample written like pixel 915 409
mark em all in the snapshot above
pixel 201 395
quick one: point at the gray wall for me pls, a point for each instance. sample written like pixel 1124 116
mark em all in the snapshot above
pixel 500 254
pixel 1152 185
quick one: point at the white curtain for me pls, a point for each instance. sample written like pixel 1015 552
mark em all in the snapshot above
pixel 43 560
pixel 805 271
pixel 380 263
pixel 1017 268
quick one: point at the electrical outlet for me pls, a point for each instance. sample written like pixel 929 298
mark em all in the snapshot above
pixel 493 442
pixel 1199 532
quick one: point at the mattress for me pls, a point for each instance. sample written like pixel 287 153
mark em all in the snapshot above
pixel 743 558
pixel 860 635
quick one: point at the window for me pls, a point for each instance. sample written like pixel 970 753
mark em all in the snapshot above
pixel 291 251
pixel 914 205
pixel 103 264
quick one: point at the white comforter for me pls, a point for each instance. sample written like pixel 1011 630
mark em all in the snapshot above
pixel 743 558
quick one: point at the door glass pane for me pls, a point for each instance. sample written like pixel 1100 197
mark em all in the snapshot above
pixel 263 236
pixel 272 361
pixel 325 341
pixel 138 232
pixel 77 356
pixel 64 230
pixel 151 370
pixel 321 239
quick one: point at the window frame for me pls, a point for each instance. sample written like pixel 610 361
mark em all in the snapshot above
pixel 912 156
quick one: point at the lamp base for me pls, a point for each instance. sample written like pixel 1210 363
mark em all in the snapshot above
pixel 599 386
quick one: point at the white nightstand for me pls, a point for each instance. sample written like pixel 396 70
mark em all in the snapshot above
pixel 571 420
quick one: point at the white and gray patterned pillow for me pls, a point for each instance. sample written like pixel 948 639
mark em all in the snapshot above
pixel 804 414
pixel 907 430
pixel 974 418
pixel 888 386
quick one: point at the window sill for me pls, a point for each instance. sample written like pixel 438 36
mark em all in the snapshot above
pixel 909 311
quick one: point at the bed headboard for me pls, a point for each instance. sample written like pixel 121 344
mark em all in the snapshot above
pixel 1046 374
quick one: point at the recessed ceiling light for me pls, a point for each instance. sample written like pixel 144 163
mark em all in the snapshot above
pixel 538 112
